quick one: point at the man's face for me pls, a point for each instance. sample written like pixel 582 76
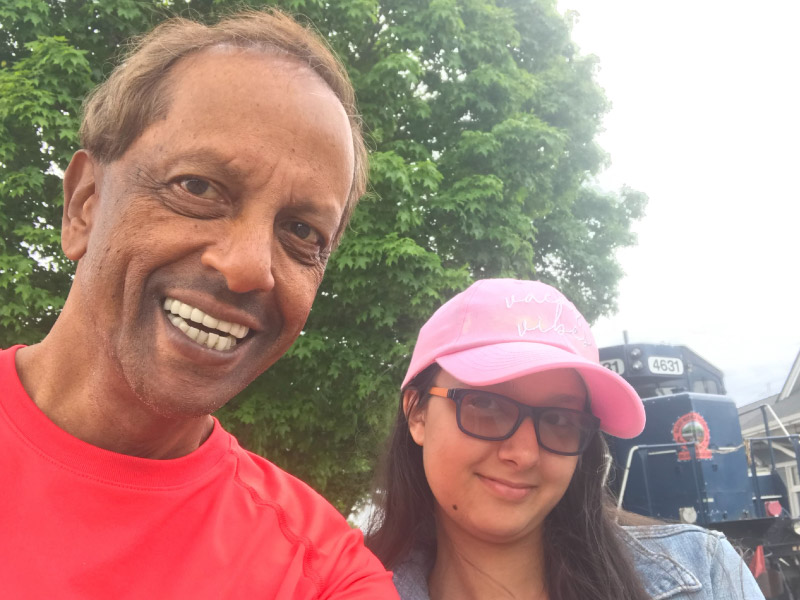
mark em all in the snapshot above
pixel 218 217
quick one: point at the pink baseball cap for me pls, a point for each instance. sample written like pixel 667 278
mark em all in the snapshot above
pixel 501 329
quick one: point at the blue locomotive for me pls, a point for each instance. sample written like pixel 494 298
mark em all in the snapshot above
pixel 692 465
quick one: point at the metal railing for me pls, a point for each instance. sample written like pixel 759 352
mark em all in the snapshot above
pixel 644 452
pixel 794 439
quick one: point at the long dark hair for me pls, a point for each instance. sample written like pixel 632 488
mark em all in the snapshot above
pixel 584 558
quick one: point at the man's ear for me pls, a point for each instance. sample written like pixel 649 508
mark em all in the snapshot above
pixel 415 415
pixel 80 203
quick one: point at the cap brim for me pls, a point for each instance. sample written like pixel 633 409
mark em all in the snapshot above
pixel 613 400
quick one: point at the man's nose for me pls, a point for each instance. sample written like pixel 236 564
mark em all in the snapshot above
pixel 522 448
pixel 244 258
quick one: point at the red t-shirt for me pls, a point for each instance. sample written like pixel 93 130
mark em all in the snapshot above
pixel 77 521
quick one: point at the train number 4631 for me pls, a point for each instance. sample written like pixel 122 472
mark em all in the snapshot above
pixel 663 365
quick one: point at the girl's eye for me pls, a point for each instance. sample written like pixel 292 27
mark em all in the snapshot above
pixel 558 419
pixel 482 402
pixel 199 187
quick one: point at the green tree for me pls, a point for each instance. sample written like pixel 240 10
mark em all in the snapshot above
pixel 481 116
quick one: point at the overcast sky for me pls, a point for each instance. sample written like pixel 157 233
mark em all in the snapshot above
pixel 706 121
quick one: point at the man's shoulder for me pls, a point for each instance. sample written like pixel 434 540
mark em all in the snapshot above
pixel 8 369
pixel 7 354
pixel 299 509
pixel 334 554
pixel 10 384
pixel 266 481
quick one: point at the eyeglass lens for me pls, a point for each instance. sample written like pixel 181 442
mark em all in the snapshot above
pixel 491 416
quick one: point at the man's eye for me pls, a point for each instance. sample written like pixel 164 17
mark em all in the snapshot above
pixel 305 232
pixel 199 187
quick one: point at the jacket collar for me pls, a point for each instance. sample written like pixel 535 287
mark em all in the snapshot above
pixel 411 576
pixel 661 575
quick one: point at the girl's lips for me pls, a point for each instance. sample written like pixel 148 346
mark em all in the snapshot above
pixel 507 490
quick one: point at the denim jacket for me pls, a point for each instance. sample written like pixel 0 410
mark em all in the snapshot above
pixel 675 562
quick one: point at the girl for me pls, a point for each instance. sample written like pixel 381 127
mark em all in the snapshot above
pixel 495 473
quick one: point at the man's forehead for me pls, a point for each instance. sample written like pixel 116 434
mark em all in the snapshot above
pixel 223 80
pixel 208 88
pixel 224 59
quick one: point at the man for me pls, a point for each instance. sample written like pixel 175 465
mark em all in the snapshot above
pixel 219 169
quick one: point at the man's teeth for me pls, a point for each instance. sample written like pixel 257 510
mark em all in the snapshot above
pixel 181 315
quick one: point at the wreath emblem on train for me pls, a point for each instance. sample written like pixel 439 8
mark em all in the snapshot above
pixel 692 427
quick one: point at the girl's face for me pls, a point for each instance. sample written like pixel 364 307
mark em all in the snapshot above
pixel 497 492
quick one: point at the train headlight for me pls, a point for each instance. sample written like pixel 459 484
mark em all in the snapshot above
pixel 688 514
pixel 796 526
pixel 637 365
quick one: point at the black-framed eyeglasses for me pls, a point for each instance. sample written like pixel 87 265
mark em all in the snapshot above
pixel 493 417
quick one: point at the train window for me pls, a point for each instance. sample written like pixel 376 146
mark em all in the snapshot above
pixel 706 386
pixel 662 388
pixel 664 391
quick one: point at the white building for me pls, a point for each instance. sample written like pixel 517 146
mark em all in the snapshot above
pixel 780 409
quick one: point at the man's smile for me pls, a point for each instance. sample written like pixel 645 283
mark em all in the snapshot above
pixel 203 328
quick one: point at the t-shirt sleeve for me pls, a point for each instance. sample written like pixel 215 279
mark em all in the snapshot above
pixel 351 571
pixel 730 577
pixel 329 559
